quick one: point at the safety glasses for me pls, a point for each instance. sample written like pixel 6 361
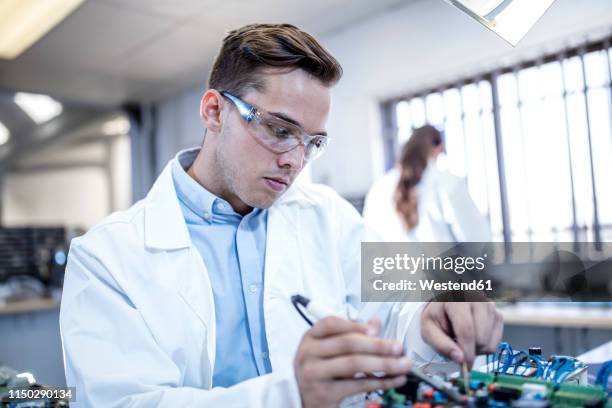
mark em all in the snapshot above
pixel 276 134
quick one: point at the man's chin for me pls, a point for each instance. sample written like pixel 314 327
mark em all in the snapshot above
pixel 266 200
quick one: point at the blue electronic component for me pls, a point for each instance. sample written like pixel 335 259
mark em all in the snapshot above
pixel 504 356
pixel 603 375
pixel 476 384
pixel 521 363
pixel 560 367
pixel 439 398
pixel 528 360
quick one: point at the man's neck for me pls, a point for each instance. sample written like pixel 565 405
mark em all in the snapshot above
pixel 202 171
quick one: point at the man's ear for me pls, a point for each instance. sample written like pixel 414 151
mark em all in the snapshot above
pixel 211 107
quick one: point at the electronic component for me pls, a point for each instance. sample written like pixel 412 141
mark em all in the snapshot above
pixel 512 379
pixel 500 387
pixel 531 364
pixel 37 252
pixel 11 381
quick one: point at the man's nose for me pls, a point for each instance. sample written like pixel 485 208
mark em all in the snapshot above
pixel 293 159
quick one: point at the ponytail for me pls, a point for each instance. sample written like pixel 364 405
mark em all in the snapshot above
pixel 413 161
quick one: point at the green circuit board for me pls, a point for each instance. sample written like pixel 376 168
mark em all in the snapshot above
pixel 493 390
pixel 563 395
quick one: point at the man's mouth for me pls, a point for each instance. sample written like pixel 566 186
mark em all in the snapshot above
pixel 277 184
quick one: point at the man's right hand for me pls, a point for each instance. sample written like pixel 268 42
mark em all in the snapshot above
pixel 335 350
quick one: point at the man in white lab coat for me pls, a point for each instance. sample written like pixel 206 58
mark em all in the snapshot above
pixel 183 299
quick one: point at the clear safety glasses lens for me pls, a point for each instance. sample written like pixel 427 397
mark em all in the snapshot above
pixel 276 134
pixel 281 136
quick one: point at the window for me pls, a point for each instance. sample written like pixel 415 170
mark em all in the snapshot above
pixel 534 143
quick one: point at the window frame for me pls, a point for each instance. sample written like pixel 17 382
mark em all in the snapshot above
pixel 390 128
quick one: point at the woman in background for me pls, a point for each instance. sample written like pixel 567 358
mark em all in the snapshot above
pixel 417 201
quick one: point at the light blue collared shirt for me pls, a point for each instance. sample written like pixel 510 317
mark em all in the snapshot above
pixel 234 248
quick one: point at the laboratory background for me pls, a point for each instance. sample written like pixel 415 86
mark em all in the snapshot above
pixel 96 96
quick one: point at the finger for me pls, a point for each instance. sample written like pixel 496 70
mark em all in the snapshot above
pixel 496 332
pixel 438 338
pixel 356 343
pixel 376 325
pixel 484 319
pixel 347 388
pixel 332 325
pixel 462 321
pixel 348 366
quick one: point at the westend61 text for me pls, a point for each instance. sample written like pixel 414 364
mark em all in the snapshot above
pixel 432 285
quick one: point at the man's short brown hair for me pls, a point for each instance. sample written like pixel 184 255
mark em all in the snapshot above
pixel 247 51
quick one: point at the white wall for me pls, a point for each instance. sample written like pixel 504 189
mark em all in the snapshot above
pixel 76 197
pixel 424 43
pixel 51 198
pixel 122 173
pixel 178 125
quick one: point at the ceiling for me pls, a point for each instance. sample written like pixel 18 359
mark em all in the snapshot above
pixel 111 52
pixel 28 137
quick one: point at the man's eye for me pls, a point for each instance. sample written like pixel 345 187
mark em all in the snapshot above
pixel 318 142
pixel 280 132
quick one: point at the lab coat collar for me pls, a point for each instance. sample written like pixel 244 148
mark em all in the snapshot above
pixel 294 195
pixel 165 226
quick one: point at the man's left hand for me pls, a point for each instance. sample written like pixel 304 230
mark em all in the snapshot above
pixel 462 330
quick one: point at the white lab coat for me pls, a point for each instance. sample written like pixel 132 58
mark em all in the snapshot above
pixel 446 210
pixel 138 315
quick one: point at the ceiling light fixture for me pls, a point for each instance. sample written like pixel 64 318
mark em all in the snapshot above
pixel 510 19
pixel 24 22
pixel 40 108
